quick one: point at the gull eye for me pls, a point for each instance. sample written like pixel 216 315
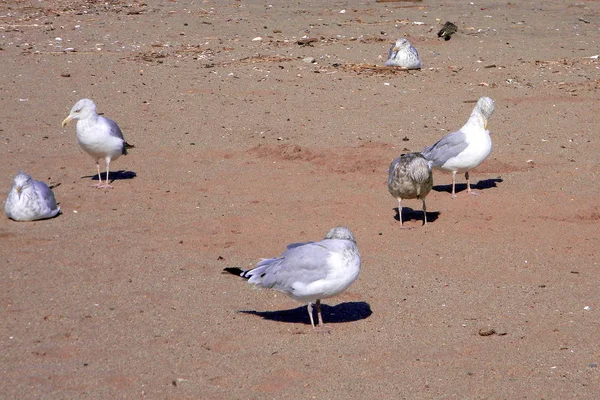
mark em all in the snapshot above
pixel 78 110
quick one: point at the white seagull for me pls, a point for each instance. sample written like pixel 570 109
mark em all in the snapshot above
pixel 410 177
pixel 98 136
pixel 309 272
pixel 403 54
pixel 465 149
pixel 30 200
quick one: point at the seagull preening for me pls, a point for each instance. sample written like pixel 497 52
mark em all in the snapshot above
pixel 98 136
pixel 403 54
pixel 410 177
pixel 30 200
pixel 309 272
pixel 465 149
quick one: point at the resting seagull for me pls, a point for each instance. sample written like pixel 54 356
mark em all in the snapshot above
pixel 410 177
pixel 403 54
pixel 309 272
pixel 465 149
pixel 30 200
pixel 98 136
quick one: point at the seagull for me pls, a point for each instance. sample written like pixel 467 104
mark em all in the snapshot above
pixel 30 200
pixel 309 272
pixel 410 177
pixel 98 136
pixel 465 149
pixel 403 54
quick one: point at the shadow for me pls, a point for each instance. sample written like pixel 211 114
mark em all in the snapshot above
pixel 344 312
pixel 409 214
pixel 113 175
pixel 481 185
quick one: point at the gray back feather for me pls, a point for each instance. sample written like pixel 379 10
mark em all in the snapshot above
pixel 45 193
pixel 306 263
pixel 115 131
pixel 446 148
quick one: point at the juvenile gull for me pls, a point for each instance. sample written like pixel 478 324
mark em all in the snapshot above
pixel 30 200
pixel 98 136
pixel 465 149
pixel 410 177
pixel 403 54
pixel 309 272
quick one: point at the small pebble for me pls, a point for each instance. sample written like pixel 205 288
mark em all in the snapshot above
pixel 486 332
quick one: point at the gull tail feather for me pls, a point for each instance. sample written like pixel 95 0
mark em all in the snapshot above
pixel 127 146
pixel 235 271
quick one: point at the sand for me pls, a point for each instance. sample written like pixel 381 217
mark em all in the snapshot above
pixel 243 145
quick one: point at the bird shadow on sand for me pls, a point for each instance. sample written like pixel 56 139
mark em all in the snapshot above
pixel 344 312
pixel 408 214
pixel 113 175
pixel 481 185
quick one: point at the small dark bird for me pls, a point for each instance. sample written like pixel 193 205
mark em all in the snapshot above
pixel 447 30
pixel 410 177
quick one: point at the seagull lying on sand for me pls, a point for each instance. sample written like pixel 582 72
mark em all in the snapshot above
pixel 410 177
pixel 309 272
pixel 465 149
pixel 30 200
pixel 98 136
pixel 403 54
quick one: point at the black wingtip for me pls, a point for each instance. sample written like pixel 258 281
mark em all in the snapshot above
pixel 127 146
pixel 234 271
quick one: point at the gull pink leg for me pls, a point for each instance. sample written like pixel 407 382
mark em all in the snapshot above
pixel 319 316
pixel 453 184
pixel 400 210
pixel 99 184
pixel 310 314
pixel 106 184
pixel 473 192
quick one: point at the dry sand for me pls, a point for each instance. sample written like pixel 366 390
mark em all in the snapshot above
pixel 243 147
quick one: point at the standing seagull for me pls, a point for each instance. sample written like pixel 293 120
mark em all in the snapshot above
pixel 98 136
pixel 29 200
pixel 309 272
pixel 410 178
pixel 465 149
pixel 403 54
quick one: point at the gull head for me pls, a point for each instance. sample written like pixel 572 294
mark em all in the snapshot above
pixel 82 109
pixel 401 44
pixel 21 181
pixel 485 105
pixel 340 232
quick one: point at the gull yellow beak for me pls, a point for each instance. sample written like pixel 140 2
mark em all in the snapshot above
pixel 19 189
pixel 66 121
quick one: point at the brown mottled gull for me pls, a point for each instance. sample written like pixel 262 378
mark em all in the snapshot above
pixel 410 177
